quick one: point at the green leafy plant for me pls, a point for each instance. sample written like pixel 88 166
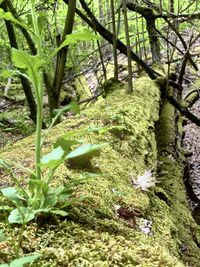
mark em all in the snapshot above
pixel 21 261
pixel 39 196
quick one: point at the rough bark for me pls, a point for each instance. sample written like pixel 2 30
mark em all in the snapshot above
pixel 114 39
pixel 150 18
pixel 61 59
pixel 25 83
pixel 130 82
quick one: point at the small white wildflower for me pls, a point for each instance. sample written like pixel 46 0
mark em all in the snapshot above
pixel 145 181
pixel 116 207
pixel 145 226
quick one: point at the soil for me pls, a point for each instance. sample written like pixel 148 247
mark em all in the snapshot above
pixel 191 143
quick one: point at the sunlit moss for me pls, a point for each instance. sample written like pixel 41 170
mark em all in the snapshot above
pixel 95 234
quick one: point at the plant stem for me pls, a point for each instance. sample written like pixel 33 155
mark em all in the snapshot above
pixel 39 93
pixel 50 127
pixel 20 239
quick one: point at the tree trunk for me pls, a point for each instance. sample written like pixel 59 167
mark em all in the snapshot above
pixel 94 24
pixel 150 18
pixel 114 40
pixel 25 83
pixel 153 39
pixel 128 45
pixel 61 59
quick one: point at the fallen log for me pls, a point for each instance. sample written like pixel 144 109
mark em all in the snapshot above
pixel 119 223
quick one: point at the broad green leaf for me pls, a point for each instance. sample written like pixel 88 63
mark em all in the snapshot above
pixel 66 190
pixel 85 149
pixel 66 144
pixel 54 158
pixel 10 73
pixel 74 38
pixel 4 265
pixel 70 134
pixel 81 156
pixel 35 184
pixel 12 194
pixel 50 201
pixel 24 260
pixel 42 210
pixel 21 59
pixel 24 61
pixel 57 190
pixel 85 35
pixel 31 64
pixel 59 212
pixel 72 107
pixel 21 216
pixel 9 16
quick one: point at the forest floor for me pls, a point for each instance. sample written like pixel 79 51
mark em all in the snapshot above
pixel 14 121
pixel 191 142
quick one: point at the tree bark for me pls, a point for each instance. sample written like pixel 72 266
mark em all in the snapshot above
pixel 150 18
pixel 114 40
pixel 61 59
pixel 25 83
pixel 130 83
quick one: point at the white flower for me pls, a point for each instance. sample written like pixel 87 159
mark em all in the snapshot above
pixel 145 181
pixel 145 226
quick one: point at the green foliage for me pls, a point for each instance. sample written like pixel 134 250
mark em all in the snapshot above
pixel 21 261
pixel 39 197
pixel 9 16
pixel 50 200
pixel 74 38
pixel 24 61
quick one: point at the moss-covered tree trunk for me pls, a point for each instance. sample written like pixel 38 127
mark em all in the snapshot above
pixel 171 172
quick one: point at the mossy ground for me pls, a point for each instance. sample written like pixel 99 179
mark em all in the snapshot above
pixel 95 233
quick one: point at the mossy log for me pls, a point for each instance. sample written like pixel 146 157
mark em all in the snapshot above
pixel 105 228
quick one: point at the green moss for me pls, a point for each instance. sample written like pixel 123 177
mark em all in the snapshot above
pixel 181 224
pixel 95 233
pixel 165 139
pixel 82 87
